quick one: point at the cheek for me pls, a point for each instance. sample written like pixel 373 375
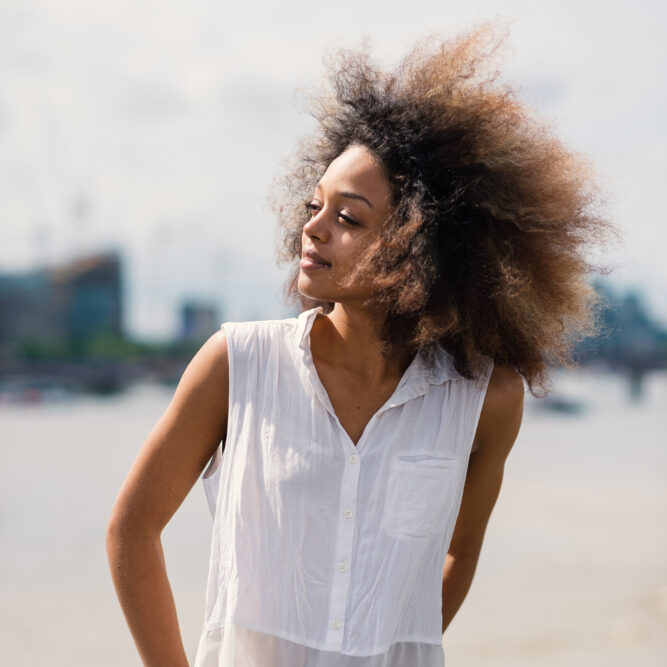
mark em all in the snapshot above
pixel 355 248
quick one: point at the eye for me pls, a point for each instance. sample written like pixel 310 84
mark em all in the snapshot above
pixel 312 208
pixel 348 220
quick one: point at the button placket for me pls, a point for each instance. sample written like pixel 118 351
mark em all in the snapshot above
pixel 343 554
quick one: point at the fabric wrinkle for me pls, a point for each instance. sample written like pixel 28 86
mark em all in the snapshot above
pixel 323 553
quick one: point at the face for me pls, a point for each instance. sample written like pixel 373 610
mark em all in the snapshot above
pixel 347 210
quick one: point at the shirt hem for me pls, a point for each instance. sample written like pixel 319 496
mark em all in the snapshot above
pixel 378 650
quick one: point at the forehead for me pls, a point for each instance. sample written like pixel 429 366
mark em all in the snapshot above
pixel 356 168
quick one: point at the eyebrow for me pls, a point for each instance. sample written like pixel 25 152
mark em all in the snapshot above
pixel 349 195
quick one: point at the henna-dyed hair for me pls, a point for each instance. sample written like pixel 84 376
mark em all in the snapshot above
pixel 484 252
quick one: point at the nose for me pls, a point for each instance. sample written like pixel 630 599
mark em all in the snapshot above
pixel 316 226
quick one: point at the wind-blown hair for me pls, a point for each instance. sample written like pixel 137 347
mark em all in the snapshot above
pixel 484 252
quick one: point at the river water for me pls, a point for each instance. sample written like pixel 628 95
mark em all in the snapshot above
pixel 573 570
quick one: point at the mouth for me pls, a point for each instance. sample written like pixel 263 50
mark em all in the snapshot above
pixel 309 263
pixel 313 260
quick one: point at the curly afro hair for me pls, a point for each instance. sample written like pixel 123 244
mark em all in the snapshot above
pixel 484 252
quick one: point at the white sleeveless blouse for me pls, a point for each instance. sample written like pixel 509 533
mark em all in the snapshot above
pixel 323 553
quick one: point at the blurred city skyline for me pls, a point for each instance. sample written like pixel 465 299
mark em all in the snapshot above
pixel 159 133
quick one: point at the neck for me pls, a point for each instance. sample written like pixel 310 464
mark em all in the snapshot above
pixel 349 338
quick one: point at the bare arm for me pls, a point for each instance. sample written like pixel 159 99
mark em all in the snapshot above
pixel 497 430
pixel 168 465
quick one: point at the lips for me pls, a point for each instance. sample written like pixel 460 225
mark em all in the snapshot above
pixel 315 257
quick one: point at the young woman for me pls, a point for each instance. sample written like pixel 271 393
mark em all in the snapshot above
pixel 355 452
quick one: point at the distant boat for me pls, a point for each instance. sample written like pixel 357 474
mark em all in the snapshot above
pixel 561 405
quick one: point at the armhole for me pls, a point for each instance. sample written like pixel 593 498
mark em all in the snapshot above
pixel 211 474
pixel 231 389
pixel 481 386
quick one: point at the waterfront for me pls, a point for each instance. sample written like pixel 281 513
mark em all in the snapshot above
pixel 573 568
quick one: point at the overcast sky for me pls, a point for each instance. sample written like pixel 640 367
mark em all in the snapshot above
pixel 157 127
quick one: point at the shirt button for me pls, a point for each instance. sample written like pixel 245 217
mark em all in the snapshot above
pixel 342 566
pixel 335 624
pixel 354 458
pixel 348 513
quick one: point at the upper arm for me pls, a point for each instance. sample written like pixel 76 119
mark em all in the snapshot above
pixel 180 444
pixel 497 429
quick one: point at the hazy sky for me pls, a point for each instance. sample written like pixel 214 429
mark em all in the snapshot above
pixel 157 127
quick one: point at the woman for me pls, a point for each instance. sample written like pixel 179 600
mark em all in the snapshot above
pixel 437 233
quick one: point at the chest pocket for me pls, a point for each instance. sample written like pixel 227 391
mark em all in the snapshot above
pixel 420 492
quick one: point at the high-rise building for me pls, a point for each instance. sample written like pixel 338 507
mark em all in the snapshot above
pixel 61 304
pixel 198 321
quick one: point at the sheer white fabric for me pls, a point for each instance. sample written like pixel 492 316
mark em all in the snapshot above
pixel 327 554
pixel 238 646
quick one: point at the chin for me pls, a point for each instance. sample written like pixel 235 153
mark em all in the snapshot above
pixel 307 289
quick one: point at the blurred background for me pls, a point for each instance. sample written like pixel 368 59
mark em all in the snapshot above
pixel 138 144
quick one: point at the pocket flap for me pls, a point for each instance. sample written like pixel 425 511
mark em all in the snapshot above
pixel 426 460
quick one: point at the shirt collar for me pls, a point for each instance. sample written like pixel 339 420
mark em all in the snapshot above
pixel 415 380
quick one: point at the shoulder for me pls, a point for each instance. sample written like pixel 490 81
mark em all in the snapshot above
pixel 233 343
pixel 502 411
pixel 505 390
pixel 260 329
pixel 211 362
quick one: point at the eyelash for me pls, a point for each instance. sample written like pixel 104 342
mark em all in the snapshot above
pixel 313 207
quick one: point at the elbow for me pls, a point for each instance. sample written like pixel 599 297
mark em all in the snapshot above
pixel 469 550
pixel 126 529
pixel 116 527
